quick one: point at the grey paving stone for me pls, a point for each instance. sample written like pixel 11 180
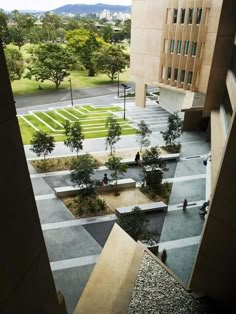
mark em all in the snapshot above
pixel 192 149
pixel 180 225
pixel 181 260
pixel 190 167
pixel 100 231
pixel 52 210
pixel 40 187
pixel 71 242
pixel 192 190
pixel 71 282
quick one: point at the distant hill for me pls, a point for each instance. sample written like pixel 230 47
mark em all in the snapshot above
pixel 92 8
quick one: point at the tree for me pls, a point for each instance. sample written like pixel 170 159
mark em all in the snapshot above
pixel 74 136
pixel 114 164
pixel 153 168
pixel 143 132
pixel 51 22
pixel 15 63
pixel 110 60
pixel 85 42
pixel 42 144
pixel 174 131
pixel 51 62
pixel 136 225
pixel 4 34
pixel 82 169
pixel 113 133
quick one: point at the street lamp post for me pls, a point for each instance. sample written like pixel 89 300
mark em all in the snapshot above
pixel 125 87
pixel 118 84
pixel 71 95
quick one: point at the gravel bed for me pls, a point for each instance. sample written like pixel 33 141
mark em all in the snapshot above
pixel 156 291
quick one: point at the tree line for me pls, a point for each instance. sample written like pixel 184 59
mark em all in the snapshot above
pixel 81 45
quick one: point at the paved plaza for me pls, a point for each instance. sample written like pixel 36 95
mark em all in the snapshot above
pixel 74 245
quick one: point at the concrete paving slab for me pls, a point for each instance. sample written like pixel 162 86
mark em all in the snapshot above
pixel 191 166
pixel 71 282
pixel 191 149
pixel 100 231
pixel 179 224
pixel 52 210
pixel 181 261
pixel 40 187
pixel 192 190
pixel 66 243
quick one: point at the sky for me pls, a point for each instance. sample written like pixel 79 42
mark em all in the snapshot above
pixel 45 5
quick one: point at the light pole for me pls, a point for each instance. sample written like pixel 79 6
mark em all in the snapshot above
pixel 125 87
pixel 71 95
pixel 118 84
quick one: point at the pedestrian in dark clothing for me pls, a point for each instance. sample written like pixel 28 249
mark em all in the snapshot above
pixel 105 179
pixel 185 204
pixel 163 256
pixel 137 158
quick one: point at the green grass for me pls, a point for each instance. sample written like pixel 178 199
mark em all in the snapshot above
pixel 93 123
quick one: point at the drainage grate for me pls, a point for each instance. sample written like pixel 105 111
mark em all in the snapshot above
pixel 192 157
pixel 189 204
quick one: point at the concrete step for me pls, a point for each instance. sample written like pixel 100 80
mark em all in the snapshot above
pixel 109 288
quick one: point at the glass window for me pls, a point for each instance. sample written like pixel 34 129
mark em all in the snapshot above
pixel 175 14
pixel 172 46
pixel 182 16
pixel 194 48
pixel 199 15
pixel 179 44
pixel 169 73
pixel 190 15
pixel 190 77
pixel 182 77
pixel 175 74
pixel 186 47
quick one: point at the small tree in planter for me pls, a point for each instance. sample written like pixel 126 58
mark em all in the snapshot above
pixel 136 225
pixel 114 164
pixel 153 168
pixel 42 144
pixel 174 131
pixel 74 136
pixel 114 132
pixel 143 133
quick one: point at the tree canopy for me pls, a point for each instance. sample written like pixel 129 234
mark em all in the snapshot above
pixel 74 136
pixel 51 62
pixel 42 144
pixel 175 129
pixel 15 63
pixel 143 133
pixel 110 60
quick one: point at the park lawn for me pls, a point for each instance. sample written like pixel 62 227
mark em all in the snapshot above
pixel 39 125
pixel 48 120
pixel 102 109
pixel 56 116
pixel 26 131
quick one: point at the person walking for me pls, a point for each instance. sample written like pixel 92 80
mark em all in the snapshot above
pixel 137 158
pixel 185 204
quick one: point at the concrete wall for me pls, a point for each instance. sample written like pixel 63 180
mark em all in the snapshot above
pixel 171 99
pixel 26 284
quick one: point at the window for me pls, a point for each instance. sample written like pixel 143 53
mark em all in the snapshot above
pixel 182 76
pixel 190 77
pixel 190 15
pixel 194 48
pixel 199 15
pixel 169 73
pixel 175 14
pixel 179 44
pixel 175 74
pixel 172 46
pixel 186 47
pixel 182 16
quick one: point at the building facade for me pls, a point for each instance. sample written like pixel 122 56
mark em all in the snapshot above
pixel 188 49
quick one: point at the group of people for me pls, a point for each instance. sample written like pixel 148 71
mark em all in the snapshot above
pixel 203 209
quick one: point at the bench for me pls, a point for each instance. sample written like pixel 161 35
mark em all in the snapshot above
pixel 165 157
pixel 65 191
pixel 149 207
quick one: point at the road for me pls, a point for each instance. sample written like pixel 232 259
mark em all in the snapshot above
pixel 64 96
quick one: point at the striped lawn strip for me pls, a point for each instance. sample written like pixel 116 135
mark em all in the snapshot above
pixel 38 124
pixel 79 111
pixel 42 121
pixel 48 120
pixel 90 126
pixel 99 124
pixel 74 112
pixel 85 109
pixel 51 118
pixel 68 115
pixel 92 108
pixel 29 123
pixel 56 116
pixel 62 114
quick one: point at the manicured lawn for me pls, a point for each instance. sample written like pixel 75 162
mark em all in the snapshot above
pixel 93 122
